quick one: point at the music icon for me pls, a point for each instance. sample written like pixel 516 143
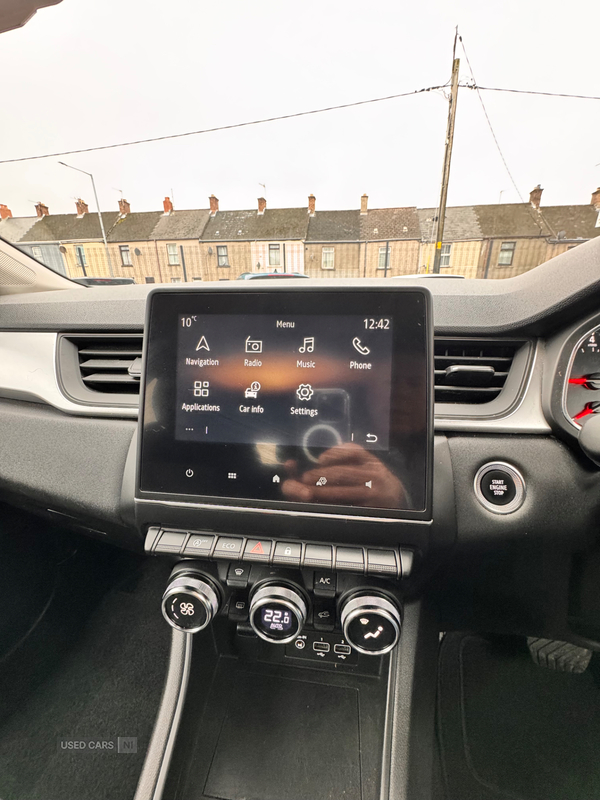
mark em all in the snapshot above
pixel 308 346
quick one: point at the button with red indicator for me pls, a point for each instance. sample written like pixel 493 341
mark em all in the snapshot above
pixel 258 550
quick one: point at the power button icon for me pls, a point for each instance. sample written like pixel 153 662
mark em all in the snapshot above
pixel 189 473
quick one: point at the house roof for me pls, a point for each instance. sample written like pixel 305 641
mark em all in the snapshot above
pixel 68 227
pixel 134 227
pixel 390 223
pixel 275 223
pixel 461 224
pixel 334 226
pixel 14 228
pixel 181 225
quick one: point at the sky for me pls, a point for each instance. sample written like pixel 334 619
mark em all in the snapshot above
pixel 93 72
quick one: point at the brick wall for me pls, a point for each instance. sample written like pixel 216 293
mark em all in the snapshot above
pixel 464 258
pixel 346 260
pixel 403 260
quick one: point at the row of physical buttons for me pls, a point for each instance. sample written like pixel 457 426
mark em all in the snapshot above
pixel 293 554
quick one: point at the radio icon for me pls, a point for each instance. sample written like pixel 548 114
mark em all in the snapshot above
pixel 253 345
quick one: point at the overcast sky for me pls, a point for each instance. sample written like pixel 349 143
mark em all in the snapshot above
pixel 94 72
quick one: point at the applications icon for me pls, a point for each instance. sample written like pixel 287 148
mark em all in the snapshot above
pixel 253 345
pixel 304 391
pixel 308 346
pixel 201 388
pixel 364 351
pixel 202 344
pixel 253 390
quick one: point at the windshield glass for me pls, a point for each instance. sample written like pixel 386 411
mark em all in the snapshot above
pixel 224 141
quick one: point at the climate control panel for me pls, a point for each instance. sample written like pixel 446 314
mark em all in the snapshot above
pixel 315 614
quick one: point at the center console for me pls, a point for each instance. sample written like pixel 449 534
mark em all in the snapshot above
pixel 285 465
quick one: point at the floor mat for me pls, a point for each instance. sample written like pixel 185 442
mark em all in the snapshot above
pixel 510 729
pixel 92 671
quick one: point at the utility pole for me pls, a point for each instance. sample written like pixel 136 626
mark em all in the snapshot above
pixel 447 158
pixel 106 250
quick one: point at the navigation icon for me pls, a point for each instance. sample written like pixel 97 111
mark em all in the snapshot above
pixel 202 344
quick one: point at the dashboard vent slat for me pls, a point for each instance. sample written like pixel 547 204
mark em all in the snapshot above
pixel 104 366
pixel 469 371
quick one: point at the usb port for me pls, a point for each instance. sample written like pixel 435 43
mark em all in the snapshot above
pixel 321 647
pixel 342 649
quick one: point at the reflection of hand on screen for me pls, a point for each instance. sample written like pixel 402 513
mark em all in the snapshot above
pixel 347 471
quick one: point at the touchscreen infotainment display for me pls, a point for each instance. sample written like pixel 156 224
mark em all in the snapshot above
pixel 290 399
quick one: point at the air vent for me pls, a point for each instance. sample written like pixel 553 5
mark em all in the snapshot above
pixel 101 369
pixel 470 371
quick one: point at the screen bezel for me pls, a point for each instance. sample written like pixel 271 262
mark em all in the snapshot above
pixel 375 300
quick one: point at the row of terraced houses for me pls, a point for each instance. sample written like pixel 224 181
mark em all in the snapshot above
pixel 172 246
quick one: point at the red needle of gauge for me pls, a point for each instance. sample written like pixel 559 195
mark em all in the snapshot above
pixel 578 381
pixel 583 413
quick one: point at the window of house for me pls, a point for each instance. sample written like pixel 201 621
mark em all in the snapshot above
pixel 80 256
pixel 150 279
pixel 222 257
pixel 327 258
pixel 125 255
pixel 175 280
pixel 445 254
pixel 36 252
pixel 382 254
pixel 274 255
pixel 505 256
pixel 173 255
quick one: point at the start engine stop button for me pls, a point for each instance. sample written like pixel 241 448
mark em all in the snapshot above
pixel 500 488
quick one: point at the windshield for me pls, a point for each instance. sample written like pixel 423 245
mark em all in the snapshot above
pixel 202 142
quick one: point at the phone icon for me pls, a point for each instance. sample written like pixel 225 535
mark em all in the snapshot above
pixel 364 351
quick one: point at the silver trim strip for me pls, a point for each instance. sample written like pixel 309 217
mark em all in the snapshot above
pixel 28 372
pixel 158 758
pixel 279 512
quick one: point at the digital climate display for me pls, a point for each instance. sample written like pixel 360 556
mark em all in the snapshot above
pixel 301 399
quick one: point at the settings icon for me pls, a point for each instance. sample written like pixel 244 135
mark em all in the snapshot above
pixel 304 391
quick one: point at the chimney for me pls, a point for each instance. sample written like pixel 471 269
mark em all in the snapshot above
pixel 82 208
pixel 596 199
pixel 5 211
pixel 41 210
pixel 363 203
pixel 311 204
pixel 535 197
pixel 262 204
pixel 167 205
pixel 124 207
pixel 214 204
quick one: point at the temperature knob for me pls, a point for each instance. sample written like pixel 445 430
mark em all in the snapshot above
pixel 371 624
pixel 277 613
pixel 190 602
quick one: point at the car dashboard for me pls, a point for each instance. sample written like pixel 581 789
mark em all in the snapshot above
pixel 194 425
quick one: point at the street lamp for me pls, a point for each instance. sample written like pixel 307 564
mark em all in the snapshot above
pixel 89 174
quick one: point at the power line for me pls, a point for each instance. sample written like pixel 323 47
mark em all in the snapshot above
pixel 489 122
pixel 221 127
pixel 527 91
